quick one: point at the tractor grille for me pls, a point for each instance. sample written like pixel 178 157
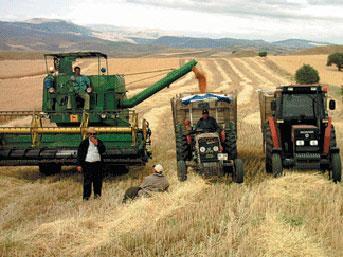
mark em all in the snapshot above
pixel 307 160
pixel 307 156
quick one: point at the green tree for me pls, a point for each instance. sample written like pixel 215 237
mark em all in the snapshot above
pixel 262 54
pixel 306 75
pixel 336 58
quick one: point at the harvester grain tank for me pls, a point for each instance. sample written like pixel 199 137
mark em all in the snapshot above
pixel 52 137
pixel 298 131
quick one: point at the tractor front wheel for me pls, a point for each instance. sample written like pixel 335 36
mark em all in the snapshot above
pixel 181 171
pixel 277 165
pixel 336 167
pixel 238 172
pixel 49 168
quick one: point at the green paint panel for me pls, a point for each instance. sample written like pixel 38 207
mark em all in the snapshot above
pixel 109 106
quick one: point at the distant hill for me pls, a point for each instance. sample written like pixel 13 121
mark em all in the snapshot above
pixel 59 35
pixel 299 43
pixel 44 35
pixel 321 50
pixel 192 42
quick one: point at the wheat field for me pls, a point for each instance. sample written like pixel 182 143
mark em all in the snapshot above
pixel 300 214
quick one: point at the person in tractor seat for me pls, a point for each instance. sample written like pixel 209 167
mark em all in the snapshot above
pixel 207 123
pixel 81 87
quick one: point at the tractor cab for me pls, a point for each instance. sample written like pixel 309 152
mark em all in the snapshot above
pixel 62 99
pixel 301 114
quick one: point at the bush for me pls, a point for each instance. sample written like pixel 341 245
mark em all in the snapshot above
pixel 307 75
pixel 262 54
pixel 336 58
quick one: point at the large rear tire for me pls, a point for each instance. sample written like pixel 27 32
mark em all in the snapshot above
pixel 49 169
pixel 268 150
pixel 230 143
pixel 181 171
pixel 336 167
pixel 238 171
pixel 277 165
pixel 181 144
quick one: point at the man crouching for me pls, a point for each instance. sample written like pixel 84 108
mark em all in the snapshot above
pixel 156 182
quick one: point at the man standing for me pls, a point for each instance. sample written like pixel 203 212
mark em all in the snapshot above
pixel 89 157
pixel 81 87
pixel 156 182
pixel 207 123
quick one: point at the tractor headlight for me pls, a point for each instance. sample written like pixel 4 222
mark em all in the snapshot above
pixel 300 142
pixel 215 148
pixel 314 142
pixel 103 115
pixel 202 149
pixel 89 90
pixel 51 90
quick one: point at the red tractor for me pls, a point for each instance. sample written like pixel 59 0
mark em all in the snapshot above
pixel 298 131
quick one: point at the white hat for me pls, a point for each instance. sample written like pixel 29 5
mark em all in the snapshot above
pixel 51 69
pixel 158 168
pixel 91 130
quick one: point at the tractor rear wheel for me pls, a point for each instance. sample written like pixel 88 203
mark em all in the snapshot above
pixel 181 144
pixel 49 168
pixel 230 143
pixel 336 167
pixel 268 150
pixel 238 172
pixel 277 165
pixel 181 171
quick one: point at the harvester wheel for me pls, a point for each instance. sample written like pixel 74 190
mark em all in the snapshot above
pixel 181 144
pixel 277 165
pixel 181 171
pixel 230 143
pixel 336 167
pixel 115 170
pixel 49 168
pixel 268 150
pixel 238 172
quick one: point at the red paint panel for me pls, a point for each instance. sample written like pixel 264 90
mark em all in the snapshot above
pixel 273 130
pixel 327 137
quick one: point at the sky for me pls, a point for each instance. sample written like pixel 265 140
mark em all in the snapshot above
pixel 271 20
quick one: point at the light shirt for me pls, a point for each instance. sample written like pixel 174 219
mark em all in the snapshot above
pixel 92 154
pixel 81 83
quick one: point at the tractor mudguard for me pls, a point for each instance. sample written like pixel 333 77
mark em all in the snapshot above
pixel 273 131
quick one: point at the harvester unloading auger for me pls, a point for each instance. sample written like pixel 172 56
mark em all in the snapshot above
pixel 52 138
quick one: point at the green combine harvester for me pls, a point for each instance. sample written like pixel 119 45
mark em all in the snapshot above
pixel 52 138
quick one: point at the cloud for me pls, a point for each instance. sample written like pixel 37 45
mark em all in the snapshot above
pixel 276 9
pixel 258 19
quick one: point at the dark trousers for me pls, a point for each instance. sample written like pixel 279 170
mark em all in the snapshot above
pixel 131 193
pixel 92 175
